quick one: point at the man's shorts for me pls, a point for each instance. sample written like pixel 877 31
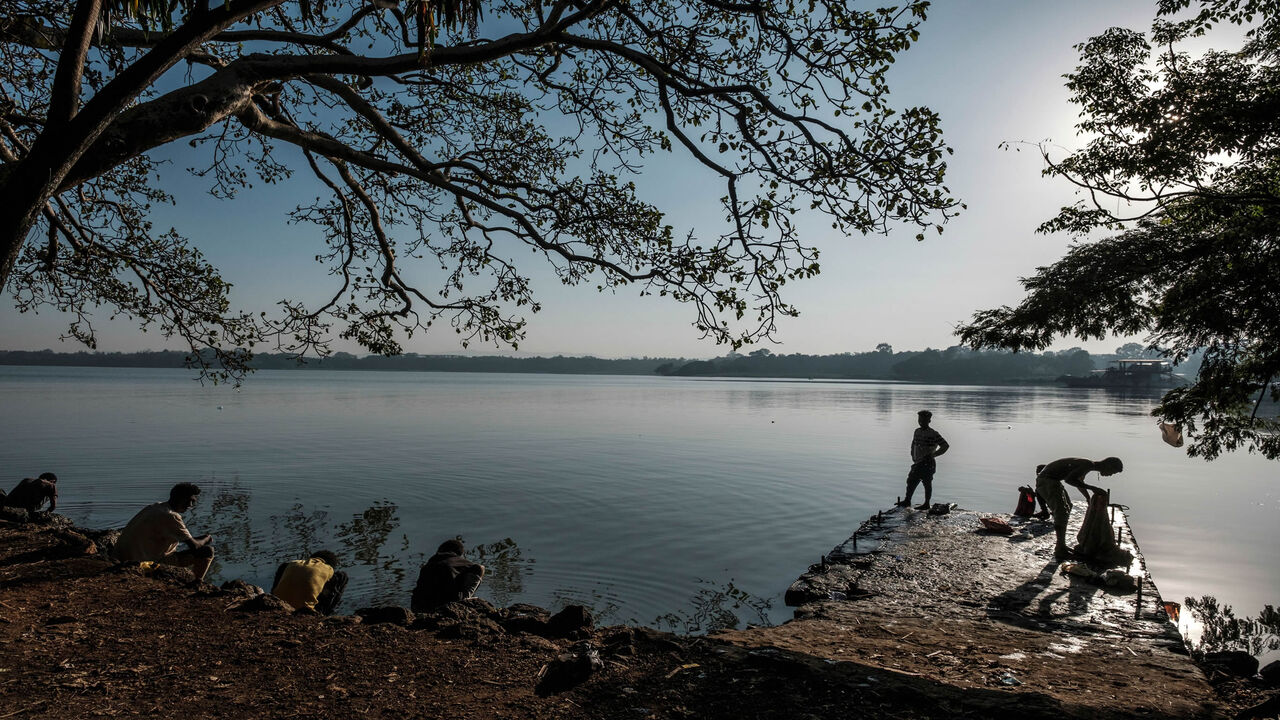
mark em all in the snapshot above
pixel 923 470
pixel 185 558
pixel 1056 498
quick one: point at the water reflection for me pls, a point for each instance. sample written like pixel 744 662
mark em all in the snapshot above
pixel 224 513
pixel 504 565
pixel 302 531
pixel 1222 630
pixel 364 536
pixel 717 607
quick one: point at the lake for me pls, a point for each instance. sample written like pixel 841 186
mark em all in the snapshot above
pixel 676 503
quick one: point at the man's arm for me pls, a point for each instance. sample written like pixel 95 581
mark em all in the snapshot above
pixel 942 446
pixel 1076 479
pixel 195 543
pixel 279 574
pixel 331 594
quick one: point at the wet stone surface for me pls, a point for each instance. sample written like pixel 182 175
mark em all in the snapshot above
pixel 941 598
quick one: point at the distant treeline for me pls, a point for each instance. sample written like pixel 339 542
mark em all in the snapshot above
pixel 954 365
pixel 347 361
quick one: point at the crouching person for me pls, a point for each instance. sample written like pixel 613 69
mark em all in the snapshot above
pixel 32 493
pixel 447 577
pixel 155 532
pixel 315 583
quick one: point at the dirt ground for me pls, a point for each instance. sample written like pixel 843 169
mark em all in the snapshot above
pixel 81 636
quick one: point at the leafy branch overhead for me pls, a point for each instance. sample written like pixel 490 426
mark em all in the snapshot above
pixel 447 136
pixel 1182 166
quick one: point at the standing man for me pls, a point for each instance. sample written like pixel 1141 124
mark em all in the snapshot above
pixel 154 533
pixel 1069 471
pixel 926 444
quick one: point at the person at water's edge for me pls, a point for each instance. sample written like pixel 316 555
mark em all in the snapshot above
pixel 447 577
pixel 314 584
pixel 31 493
pixel 1050 486
pixel 154 533
pixel 926 444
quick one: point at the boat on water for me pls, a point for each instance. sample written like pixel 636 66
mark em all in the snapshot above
pixel 1128 374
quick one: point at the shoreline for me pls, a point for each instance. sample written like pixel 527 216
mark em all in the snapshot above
pixel 90 637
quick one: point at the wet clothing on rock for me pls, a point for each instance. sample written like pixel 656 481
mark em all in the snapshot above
pixel 30 494
pixel 311 584
pixel 1097 540
pixel 447 577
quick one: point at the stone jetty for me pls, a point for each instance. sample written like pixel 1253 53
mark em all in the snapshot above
pixel 992 620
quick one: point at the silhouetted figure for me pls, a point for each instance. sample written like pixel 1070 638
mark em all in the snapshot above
pixel 447 577
pixel 1045 512
pixel 1050 486
pixel 154 533
pixel 31 493
pixel 926 444
pixel 315 583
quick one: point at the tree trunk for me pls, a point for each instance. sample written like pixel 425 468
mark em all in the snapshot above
pixel 24 196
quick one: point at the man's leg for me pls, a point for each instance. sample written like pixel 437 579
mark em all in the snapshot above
pixel 927 482
pixel 1054 495
pixel 912 481
pixel 197 560
pixel 469 581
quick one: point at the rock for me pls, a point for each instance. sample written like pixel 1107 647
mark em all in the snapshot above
pixel 1265 709
pixel 570 621
pixel 569 670
pixel 470 630
pixel 240 588
pixel 1271 673
pixel 522 618
pixel 1232 662
pixel 266 602
pixel 620 642
pixel 393 614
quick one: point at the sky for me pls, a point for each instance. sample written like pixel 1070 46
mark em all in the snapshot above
pixel 991 68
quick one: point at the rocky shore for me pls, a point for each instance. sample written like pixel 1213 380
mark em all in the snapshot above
pixel 82 636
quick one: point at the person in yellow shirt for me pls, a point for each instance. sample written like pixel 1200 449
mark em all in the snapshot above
pixel 314 584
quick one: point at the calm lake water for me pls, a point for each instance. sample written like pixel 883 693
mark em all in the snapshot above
pixel 676 503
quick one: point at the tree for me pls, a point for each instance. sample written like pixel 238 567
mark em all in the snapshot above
pixel 1131 350
pixel 1182 164
pixel 884 348
pixel 456 132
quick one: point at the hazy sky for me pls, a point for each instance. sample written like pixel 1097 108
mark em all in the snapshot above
pixel 991 68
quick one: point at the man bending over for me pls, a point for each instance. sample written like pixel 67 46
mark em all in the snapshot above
pixel 1069 471
pixel 315 584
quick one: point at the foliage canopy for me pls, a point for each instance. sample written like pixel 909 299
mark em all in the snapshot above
pixel 455 133
pixel 1182 163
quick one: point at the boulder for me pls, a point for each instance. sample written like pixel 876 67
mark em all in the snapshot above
pixel 266 602
pixel 240 588
pixel 571 621
pixel 1232 662
pixel 569 670
pixel 393 614
pixel 1271 673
